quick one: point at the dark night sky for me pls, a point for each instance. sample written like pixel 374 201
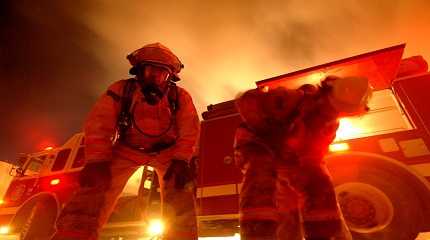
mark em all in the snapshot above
pixel 45 67
pixel 56 57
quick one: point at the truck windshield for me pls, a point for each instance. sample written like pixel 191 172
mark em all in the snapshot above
pixel 385 116
pixel 33 166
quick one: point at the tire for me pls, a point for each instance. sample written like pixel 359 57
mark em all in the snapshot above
pixel 379 200
pixel 40 223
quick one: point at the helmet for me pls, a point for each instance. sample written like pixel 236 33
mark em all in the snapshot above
pixel 155 54
pixel 266 111
pixel 249 107
pixel 349 95
pixel 308 89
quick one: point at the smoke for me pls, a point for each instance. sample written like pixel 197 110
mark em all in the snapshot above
pixel 228 45
pixel 58 57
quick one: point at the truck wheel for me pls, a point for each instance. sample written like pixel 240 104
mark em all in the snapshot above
pixel 378 200
pixel 39 224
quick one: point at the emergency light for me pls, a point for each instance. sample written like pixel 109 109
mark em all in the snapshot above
pixel 337 147
pixel 4 229
pixel 156 227
pixel 54 181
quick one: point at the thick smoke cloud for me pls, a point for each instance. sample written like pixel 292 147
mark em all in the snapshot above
pixel 227 45
pixel 58 56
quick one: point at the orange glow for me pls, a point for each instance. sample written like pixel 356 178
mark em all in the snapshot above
pixel 4 230
pixel 316 77
pixel 337 147
pixel 1 201
pixel 55 181
pixel 347 129
pixel 48 148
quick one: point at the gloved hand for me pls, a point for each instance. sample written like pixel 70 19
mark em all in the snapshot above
pixel 181 171
pixel 96 174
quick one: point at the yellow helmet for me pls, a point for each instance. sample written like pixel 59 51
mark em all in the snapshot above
pixel 349 95
pixel 155 54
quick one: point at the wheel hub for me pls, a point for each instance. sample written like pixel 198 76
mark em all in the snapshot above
pixel 366 209
pixel 357 210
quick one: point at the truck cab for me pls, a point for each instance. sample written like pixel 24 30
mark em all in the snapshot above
pixel 44 181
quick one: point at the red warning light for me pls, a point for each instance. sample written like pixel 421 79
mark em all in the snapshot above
pixel 55 181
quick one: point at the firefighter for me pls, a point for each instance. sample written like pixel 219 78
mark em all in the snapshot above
pixel 145 120
pixel 287 191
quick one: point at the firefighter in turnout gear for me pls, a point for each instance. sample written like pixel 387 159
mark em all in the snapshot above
pixel 287 192
pixel 145 120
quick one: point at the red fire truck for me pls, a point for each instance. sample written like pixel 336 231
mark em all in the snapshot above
pixel 45 181
pixel 380 163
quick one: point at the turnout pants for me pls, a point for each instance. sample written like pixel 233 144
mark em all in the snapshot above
pixel 89 209
pixel 280 200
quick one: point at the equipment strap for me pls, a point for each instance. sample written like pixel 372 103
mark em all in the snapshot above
pixel 126 119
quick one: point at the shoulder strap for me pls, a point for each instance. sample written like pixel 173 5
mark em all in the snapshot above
pixel 124 117
pixel 127 95
pixel 173 98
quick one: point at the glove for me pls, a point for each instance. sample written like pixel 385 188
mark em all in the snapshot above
pixel 181 172
pixel 96 174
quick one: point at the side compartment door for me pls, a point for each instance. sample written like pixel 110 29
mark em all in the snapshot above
pixel 218 180
pixel 216 151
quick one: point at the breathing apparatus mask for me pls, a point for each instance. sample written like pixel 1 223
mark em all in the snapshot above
pixel 153 82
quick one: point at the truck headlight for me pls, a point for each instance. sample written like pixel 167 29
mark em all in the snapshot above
pixel 155 227
pixel 4 230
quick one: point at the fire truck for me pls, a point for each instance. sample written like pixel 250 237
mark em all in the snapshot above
pixel 44 181
pixel 380 163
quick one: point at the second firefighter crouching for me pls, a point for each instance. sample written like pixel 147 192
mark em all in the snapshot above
pixel 158 126
pixel 287 191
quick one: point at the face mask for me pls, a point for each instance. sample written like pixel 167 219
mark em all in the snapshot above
pixel 153 82
pixel 152 92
